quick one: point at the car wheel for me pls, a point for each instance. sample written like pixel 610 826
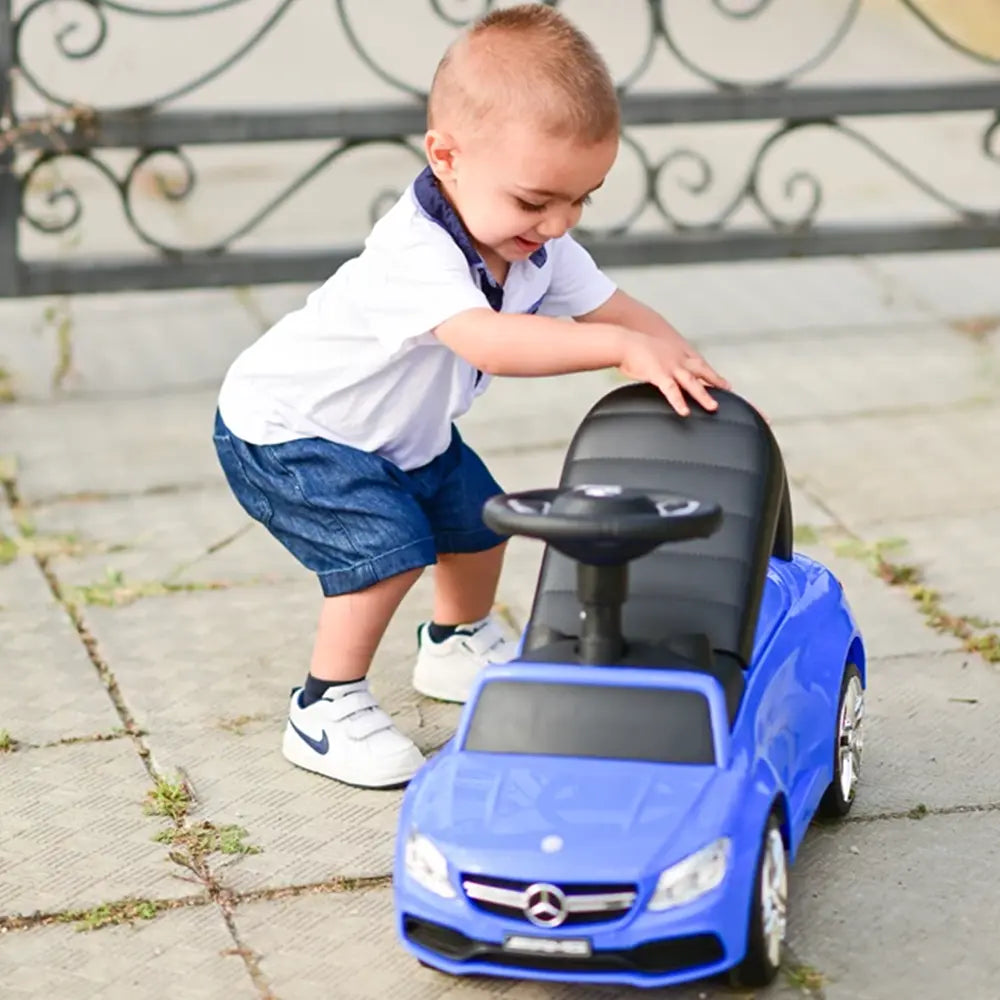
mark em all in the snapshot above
pixel 848 745
pixel 768 912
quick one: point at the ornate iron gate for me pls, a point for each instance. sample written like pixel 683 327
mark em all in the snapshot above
pixel 31 143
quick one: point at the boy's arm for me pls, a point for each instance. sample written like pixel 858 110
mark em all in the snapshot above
pixel 516 344
pixel 621 309
pixel 513 344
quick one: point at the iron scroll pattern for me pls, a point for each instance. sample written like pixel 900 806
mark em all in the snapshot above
pixel 80 29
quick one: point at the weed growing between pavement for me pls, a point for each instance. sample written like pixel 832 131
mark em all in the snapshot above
pixel 805 534
pixel 804 977
pixel 40 545
pixel 207 838
pixel 59 317
pixel 8 549
pixel 237 724
pixel 976 634
pixel 129 909
pixel 115 590
pixel 125 911
pixel 7 742
pixel 7 394
pixel 168 798
pixel 192 842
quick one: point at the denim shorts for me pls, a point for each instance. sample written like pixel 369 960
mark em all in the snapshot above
pixel 354 518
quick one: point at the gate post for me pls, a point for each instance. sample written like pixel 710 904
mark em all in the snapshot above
pixel 10 188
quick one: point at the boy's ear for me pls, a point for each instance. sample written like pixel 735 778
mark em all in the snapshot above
pixel 440 149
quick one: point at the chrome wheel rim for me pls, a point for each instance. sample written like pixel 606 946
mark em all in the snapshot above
pixel 850 738
pixel 774 895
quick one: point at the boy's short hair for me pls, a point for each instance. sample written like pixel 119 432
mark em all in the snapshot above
pixel 528 62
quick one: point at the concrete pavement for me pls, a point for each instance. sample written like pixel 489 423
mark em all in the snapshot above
pixel 150 636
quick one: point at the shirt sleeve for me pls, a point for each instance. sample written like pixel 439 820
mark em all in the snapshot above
pixel 418 287
pixel 577 285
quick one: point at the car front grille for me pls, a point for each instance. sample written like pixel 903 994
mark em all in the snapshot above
pixel 574 903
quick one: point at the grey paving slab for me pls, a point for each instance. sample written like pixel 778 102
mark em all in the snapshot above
pixel 50 688
pixel 957 284
pixel 73 833
pixel 900 909
pixel 816 373
pixel 144 342
pixel 308 942
pixel 741 301
pixel 120 445
pixel 22 584
pixel 184 954
pixel 960 558
pixel 309 829
pixel 881 469
pixel 930 738
pixel 196 535
pixel 190 658
pixel 28 353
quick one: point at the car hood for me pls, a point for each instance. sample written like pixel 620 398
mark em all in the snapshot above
pixel 524 817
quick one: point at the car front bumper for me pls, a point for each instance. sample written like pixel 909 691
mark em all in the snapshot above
pixel 641 949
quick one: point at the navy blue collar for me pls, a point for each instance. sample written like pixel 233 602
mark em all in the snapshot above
pixel 436 207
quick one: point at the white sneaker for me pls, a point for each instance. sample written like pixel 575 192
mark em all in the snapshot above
pixel 445 670
pixel 345 735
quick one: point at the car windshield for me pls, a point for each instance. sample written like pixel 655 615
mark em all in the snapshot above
pixel 613 722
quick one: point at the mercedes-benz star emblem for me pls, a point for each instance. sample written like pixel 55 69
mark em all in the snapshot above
pixel 544 905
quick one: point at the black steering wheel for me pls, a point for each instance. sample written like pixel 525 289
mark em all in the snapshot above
pixel 601 525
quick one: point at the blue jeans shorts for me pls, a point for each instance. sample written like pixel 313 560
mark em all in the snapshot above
pixel 354 518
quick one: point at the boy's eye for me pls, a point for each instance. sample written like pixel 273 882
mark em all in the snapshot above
pixel 529 206
pixel 585 200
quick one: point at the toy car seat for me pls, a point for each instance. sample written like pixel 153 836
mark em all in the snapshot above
pixel 699 597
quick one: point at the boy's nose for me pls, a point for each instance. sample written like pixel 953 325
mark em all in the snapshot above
pixel 556 224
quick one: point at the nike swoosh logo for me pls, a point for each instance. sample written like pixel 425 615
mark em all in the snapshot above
pixel 320 746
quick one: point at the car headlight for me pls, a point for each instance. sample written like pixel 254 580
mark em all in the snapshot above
pixel 697 874
pixel 427 866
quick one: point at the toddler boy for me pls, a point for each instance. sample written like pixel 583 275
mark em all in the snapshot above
pixel 335 429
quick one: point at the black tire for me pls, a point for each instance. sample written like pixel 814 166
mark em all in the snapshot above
pixel 758 967
pixel 835 803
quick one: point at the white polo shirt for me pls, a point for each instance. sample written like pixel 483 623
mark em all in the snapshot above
pixel 358 364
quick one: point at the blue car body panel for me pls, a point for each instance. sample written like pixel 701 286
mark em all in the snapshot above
pixel 622 822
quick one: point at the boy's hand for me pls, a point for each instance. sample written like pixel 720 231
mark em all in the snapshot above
pixel 653 351
pixel 673 366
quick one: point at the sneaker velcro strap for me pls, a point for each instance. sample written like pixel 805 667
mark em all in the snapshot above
pixel 484 639
pixel 367 723
pixel 347 704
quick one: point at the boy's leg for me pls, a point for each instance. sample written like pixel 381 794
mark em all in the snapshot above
pixel 352 625
pixel 335 726
pixel 348 517
pixel 464 635
pixel 465 585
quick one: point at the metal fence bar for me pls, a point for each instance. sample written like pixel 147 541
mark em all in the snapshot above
pixel 633 249
pixel 145 129
pixel 789 223
pixel 10 188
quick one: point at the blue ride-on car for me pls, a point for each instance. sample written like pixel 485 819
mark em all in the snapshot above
pixel 620 803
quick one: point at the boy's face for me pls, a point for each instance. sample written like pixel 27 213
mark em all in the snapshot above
pixel 517 188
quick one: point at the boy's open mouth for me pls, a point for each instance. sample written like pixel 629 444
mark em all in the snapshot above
pixel 528 245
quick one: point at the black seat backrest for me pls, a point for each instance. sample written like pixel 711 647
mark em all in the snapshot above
pixel 710 586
